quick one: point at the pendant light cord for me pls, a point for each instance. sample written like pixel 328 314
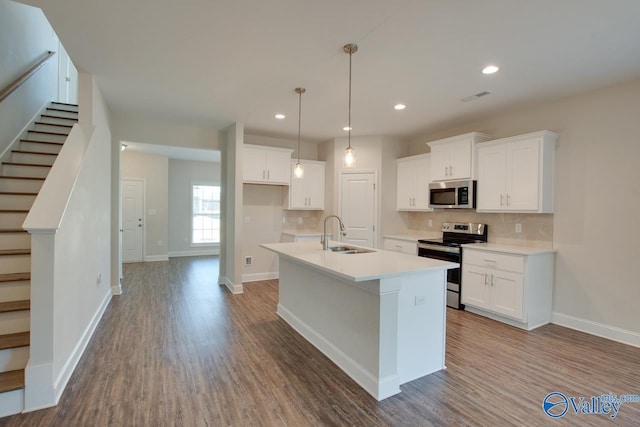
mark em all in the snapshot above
pixel 350 54
pixel 299 121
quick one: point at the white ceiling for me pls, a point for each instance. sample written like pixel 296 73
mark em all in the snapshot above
pixel 210 63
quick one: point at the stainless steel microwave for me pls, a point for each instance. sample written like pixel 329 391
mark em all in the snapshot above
pixel 452 194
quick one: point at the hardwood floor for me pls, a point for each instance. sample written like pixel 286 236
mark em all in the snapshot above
pixel 177 349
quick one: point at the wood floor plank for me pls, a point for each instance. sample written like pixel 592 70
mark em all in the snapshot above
pixel 177 349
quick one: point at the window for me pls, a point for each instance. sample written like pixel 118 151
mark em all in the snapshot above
pixel 205 214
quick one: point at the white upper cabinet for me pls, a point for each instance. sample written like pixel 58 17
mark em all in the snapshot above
pixel 414 176
pixel 454 158
pixel 307 192
pixel 516 174
pixel 266 165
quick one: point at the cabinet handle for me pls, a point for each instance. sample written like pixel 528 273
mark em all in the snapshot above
pixel 492 276
pixel 268 174
pixel 450 170
pixel 446 173
pixel 508 200
pixel 485 279
pixel 264 174
pixel 489 260
pixel 501 199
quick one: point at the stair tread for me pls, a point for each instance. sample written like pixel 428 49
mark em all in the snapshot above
pixel 15 277
pixel 21 305
pixel 35 178
pixel 64 103
pixel 40 165
pixel 46 132
pixel 11 380
pixel 42 142
pixel 33 152
pixel 16 193
pixel 54 124
pixel 61 109
pixel 15 252
pixel 19 339
pixel 12 230
pixel 51 116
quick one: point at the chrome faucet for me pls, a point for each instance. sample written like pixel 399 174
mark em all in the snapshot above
pixel 324 241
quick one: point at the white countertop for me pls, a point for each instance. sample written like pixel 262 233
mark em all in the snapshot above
pixel 356 267
pixel 413 237
pixel 509 249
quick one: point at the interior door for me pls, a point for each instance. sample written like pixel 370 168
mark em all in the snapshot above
pixel 132 220
pixel 358 208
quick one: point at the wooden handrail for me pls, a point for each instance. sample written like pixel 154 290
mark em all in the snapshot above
pixel 24 77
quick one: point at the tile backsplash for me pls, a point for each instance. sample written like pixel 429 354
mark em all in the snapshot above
pixel 537 229
pixel 302 221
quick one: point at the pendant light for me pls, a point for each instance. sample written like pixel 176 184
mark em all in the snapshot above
pixel 349 157
pixel 298 171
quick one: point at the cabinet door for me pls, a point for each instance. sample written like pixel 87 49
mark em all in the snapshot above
pixel 491 178
pixel 422 169
pixel 253 165
pixel 475 286
pixel 440 162
pixel 405 185
pixel 507 292
pixel 314 185
pixel 523 175
pixel 460 159
pixel 278 167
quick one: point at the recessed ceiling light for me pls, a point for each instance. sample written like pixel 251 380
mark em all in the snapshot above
pixel 399 106
pixel 490 69
pixel 347 128
pixel 280 116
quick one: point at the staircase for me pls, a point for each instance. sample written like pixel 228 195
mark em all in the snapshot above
pixel 21 177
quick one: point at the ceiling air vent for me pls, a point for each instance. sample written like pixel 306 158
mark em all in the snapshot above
pixel 476 96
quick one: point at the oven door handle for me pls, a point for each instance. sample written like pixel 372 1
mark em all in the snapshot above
pixel 439 248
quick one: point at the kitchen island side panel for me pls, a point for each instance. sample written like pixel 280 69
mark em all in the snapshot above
pixel 343 320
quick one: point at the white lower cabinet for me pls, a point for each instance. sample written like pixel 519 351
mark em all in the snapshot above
pixel 515 288
pixel 398 245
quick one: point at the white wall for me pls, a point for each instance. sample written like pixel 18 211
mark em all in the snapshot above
pixel 596 203
pixel 25 36
pixel 231 213
pixel 182 173
pixel 154 170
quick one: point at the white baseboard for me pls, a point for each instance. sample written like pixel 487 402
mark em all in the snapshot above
pixel 70 365
pixel 599 329
pixel 153 258
pixel 232 287
pixel 197 252
pixel 378 388
pixel 256 277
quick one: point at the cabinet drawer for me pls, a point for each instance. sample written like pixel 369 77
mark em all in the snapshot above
pixel 401 246
pixel 498 261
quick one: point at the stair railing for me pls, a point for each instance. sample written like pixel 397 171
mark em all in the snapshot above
pixel 25 76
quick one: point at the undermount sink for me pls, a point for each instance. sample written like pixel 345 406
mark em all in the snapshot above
pixel 349 250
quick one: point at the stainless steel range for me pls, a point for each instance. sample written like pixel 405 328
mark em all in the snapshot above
pixel 448 248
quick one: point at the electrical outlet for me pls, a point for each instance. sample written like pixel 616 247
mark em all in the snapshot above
pixel 518 228
pixel 299 220
pixel 159 242
pixel 247 220
pixel 248 260
pixel 420 300
pixel 430 223
pixel 99 280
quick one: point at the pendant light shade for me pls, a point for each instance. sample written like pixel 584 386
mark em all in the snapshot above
pixel 349 155
pixel 298 171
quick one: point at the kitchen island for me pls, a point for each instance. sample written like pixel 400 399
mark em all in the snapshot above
pixel 380 316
